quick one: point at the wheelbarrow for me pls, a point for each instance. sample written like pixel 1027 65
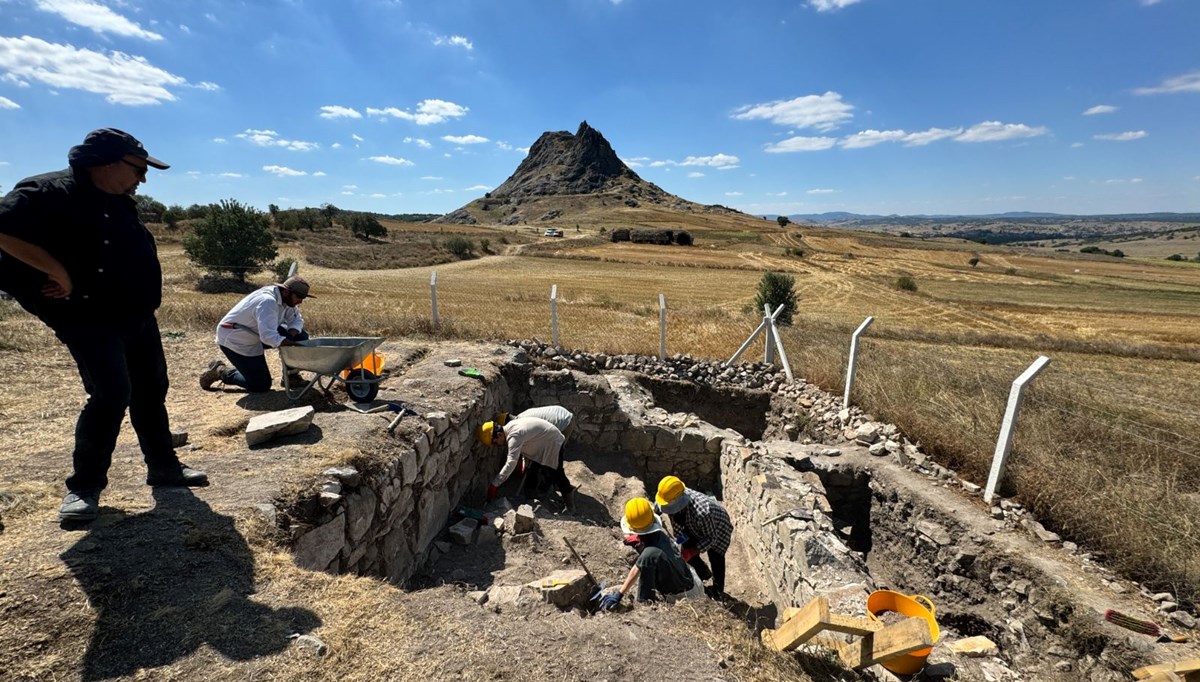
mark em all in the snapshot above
pixel 350 360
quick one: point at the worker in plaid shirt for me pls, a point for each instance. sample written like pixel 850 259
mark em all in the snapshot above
pixel 701 524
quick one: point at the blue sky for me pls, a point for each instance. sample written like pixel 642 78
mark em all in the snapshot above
pixel 807 106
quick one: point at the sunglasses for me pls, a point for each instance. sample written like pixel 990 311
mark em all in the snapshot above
pixel 141 170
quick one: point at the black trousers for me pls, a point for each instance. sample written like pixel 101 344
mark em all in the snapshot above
pixel 542 475
pixel 123 367
pixel 717 559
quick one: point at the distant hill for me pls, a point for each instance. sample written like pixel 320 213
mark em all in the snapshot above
pixel 842 217
pixel 566 176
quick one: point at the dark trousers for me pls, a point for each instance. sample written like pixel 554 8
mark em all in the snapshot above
pixel 122 366
pixel 250 371
pixel 717 559
pixel 542 475
pixel 657 575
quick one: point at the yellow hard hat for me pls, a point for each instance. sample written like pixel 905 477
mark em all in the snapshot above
pixel 502 418
pixel 484 434
pixel 670 490
pixel 639 516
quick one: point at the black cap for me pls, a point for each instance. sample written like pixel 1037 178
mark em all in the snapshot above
pixel 108 145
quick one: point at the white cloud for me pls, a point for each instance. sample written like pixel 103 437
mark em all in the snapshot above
pixel 928 136
pixel 733 194
pixel 635 162
pixel 355 137
pixel 660 164
pixel 718 161
pixel 1076 145
pixel 428 111
pixel 391 160
pixel 319 174
pixel 220 140
pixel 376 195
pixel 523 150
pixel 1188 82
pixel 870 138
pixel 1114 181
pixel 6 103
pixel 270 138
pixel 1148 3
pixel 777 194
pixel 1135 180
pixel 454 41
pixel 184 28
pixel 819 191
pixel 477 188
pixel 11 78
pixel 465 139
pixel 232 175
pixel 208 86
pixel 695 174
pixel 336 145
pixel 995 131
pixel 801 144
pixel 283 171
pixel 347 194
pixel 820 112
pixel 336 111
pixel 1100 109
pixel 97 17
pixel 423 144
pixel 830 5
pixel 349 186
pixel 1121 137
pixel 431 177
pixel 121 78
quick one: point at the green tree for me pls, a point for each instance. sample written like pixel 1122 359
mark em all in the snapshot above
pixel 233 239
pixel 459 246
pixel 363 225
pixel 150 210
pixel 775 289
pixel 783 221
pixel 172 215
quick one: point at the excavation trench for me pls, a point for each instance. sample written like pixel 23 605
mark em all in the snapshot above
pixel 810 519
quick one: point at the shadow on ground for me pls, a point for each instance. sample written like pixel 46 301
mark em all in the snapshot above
pixel 169 580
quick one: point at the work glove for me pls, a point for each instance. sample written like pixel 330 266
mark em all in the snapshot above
pixel 689 553
pixel 681 539
pixel 491 492
pixel 610 601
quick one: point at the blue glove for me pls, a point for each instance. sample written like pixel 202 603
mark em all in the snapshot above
pixel 681 539
pixel 610 601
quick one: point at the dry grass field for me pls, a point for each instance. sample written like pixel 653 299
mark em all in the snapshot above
pixel 1106 448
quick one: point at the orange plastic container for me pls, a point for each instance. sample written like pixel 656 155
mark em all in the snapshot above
pixel 881 601
pixel 373 363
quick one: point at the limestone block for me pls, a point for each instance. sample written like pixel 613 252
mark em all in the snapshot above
pixel 346 475
pixel 563 588
pixel 360 512
pixel 408 466
pixel 935 532
pixel 463 532
pixel 522 520
pixel 317 548
pixel 692 440
pixel 640 440
pixel 439 421
pixel 665 439
pixel 433 509
pixel 975 647
pixel 178 438
pixel 397 556
pixel 500 597
pixel 488 534
pixel 266 427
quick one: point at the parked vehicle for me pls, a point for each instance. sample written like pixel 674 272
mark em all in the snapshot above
pixel 552 232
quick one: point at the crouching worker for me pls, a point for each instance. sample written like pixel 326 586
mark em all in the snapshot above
pixel 660 573
pixel 701 524
pixel 539 442
pixel 266 318
pixel 563 420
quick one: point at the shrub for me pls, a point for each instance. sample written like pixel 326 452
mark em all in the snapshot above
pixel 1175 256
pixel 459 246
pixel 797 252
pixel 621 234
pixel 1010 271
pixel 775 289
pixel 363 225
pixel 905 283
pixel 281 268
pixel 683 238
pixel 485 245
pixel 783 220
pixel 232 239
pixel 974 261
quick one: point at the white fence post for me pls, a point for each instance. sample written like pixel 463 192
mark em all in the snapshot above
pixel 854 359
pixel 433 295
pixel 554 314
pixel 769 320
pixel 1004 442
pixel 662 328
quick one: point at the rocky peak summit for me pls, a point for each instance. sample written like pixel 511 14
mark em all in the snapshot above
pixel 562 163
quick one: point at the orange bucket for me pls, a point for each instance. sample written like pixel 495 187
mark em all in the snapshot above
pixel 881 601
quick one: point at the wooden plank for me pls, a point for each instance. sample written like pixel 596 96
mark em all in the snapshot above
pixel 799 628
pixel 837 645
pixel 905 637
pixel 790 612
pixel 1191 665
pixel 852 625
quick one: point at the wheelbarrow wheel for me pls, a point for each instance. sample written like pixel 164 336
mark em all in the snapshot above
pixel 362 386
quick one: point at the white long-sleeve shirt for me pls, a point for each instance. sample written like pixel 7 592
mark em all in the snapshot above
pixel 534 438
pixel 255 322
pixel 555 414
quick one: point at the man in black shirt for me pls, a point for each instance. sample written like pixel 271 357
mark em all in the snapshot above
pixel 74 253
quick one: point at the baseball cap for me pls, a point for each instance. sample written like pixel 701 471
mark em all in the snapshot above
pixel 108 145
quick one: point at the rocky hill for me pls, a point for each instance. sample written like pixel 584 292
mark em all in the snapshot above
pixel 568 176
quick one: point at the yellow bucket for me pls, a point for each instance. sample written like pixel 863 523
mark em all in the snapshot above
pixel 881 601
